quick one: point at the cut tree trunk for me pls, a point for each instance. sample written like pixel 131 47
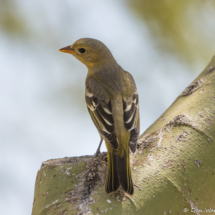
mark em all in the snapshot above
pixel 173 168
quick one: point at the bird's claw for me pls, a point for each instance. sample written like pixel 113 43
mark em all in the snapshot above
pixel 97 152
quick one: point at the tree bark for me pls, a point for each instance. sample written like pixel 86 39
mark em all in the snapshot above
pixel 173 168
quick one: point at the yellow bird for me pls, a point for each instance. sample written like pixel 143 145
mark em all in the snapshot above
pixel 112 101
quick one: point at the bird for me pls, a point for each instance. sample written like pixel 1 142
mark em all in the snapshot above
pixel 112 101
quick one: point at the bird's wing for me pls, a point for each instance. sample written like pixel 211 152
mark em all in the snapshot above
pixel 100 109
pixel 131 113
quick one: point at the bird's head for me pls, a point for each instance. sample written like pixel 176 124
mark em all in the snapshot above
pixel 90 52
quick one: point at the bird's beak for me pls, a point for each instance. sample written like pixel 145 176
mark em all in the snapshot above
pixel 67 49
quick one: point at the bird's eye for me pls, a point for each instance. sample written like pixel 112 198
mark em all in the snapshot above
pixel 82 50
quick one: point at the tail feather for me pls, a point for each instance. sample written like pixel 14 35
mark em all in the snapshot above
pixel 124 173
pixel 112 181
pixel 119 173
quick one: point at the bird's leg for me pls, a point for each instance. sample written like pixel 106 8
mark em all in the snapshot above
pixel 98 150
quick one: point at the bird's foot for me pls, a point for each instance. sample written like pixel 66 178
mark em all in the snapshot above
pixel 97 152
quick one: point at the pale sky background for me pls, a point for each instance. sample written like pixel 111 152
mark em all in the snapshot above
pixel 43 113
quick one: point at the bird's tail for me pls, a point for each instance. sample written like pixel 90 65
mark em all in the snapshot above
pixel 119 173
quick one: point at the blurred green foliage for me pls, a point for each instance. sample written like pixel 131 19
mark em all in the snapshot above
pixel 12 21
pixel 184 28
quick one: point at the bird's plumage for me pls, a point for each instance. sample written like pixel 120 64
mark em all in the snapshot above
pixel 102 97
pixel 112 101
